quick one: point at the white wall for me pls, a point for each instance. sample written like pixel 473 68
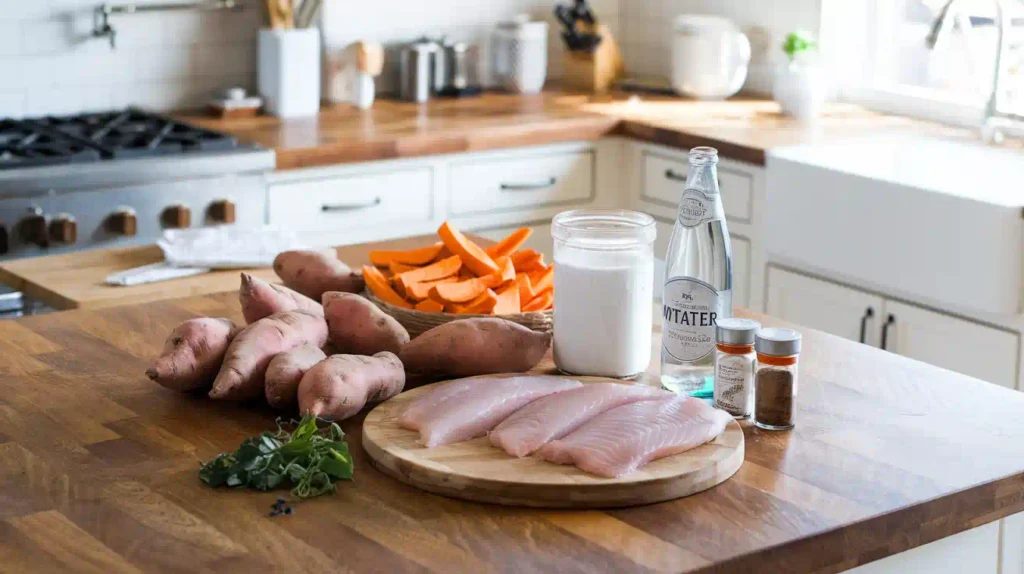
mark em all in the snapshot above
pixel 50 65
pixel 647 28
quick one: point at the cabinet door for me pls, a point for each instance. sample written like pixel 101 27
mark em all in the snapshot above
pixel 540 239
pixel 823 305
pixel 959 345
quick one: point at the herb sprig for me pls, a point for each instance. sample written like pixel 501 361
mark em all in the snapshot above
pixel 309 459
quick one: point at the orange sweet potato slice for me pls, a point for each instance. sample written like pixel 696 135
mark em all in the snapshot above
pixel 459 292
pixel 525 287
pixel 508 245
pixel 541 302
pixel 379 286
pixel 429 306
pixel 397 267
pixel 416 257
pixel 482 305
pixel 527 260
pixel 433 272
pixel 542 280
pixel 472 255
pixel 421 291
pixel 508 300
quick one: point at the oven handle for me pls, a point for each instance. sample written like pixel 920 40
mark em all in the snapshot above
pixel 336 208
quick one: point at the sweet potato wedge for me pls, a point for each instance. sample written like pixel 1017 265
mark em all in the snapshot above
pixel 413 257
pixel 509 244
pixel 541 302
pixel 429 306
pixel 481 305
pixel 508 300
pixel 378 285
pixel 439 270
pixel 471 254
pixel 421 291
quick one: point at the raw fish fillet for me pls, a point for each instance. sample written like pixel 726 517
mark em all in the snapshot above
pixel 491 400
pixel 557 415
pixel 413 415
pixel 625 438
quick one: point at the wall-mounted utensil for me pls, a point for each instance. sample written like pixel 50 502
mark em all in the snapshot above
pixel 579 25
pixel 307 13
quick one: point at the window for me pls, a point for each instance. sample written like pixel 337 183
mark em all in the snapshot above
pixel 882 49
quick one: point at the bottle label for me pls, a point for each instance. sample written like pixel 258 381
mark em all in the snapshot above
pixel 697 207
pixel 690 311
pixel 734 378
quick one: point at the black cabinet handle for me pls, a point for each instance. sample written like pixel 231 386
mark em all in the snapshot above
pixel 889 322
pixel 350 206
pixel 671 174
pixel 868 313
pixel 528 186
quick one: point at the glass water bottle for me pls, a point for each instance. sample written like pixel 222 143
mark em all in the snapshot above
pixel 698 280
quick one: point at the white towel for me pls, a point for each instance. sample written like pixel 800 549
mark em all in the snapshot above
pixel 226 247
pixel 152 273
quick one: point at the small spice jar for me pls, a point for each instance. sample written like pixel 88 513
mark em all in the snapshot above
pixel 775 380
pixel 734 366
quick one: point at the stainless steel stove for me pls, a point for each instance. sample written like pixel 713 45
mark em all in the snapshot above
pixel 120 178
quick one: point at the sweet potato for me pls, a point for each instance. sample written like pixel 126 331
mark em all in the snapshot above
pixel 541 302
pixel 356 326
pixel 286 370
pixel 242 375
pixel 378 284
pixel 313 273
pixel 429 306
pixel 342 385
pixel 543 280
pixel 481 305
pixel 508 300
pixel 476 346
pixel 260 299
pixel 192 354
pixel 421 291
pixel 509 245
pixel 439 270
pixel 471 254
pixel 416 257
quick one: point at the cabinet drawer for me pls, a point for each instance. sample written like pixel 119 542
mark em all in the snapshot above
pixel 740 271
pixel 664 179
pixel 523 182
pixel 331 204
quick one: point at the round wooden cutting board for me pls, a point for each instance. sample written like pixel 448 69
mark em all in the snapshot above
pixel 475 470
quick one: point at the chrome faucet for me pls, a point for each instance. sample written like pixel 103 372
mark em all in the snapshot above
pixel 998 120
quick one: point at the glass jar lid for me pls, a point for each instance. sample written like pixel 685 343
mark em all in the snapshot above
pixel 736 331
pixel 604 229
pixel 777 342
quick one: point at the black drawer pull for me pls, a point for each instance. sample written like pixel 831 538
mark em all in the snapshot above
pixel 868 313
pixel 350 206
pixel 671 174
pixel 528 186
pixel 889 322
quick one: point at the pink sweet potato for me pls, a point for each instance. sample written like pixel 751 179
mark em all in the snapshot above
pixel 286 370
pixel 260 299
pixel 192 354
pixel 358 327
pixel 342 385
pixel 242 375
pixel 476 346
pixel 313 273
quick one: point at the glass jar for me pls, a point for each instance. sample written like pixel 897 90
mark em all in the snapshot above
pixel 775 380
pixel 604 292
pixel 734 366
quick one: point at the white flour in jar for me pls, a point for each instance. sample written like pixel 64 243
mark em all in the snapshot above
pixel 603 311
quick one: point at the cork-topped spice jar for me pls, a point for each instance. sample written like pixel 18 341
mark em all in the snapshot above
pixel 775 381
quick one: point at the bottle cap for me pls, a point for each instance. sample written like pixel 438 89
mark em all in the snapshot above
pixel 777 342
pixel 735 331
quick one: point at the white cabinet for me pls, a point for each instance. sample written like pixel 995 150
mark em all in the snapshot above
pixel 823 305
pixel 975 551
pixel 740 271
pixel 987 353
pixel 975 349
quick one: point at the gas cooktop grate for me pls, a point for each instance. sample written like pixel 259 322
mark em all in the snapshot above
pixel 101 136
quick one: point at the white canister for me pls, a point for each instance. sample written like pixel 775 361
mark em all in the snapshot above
pixel 800 90
pixel 710 56
pixel 288 74
pixel 604 292
pixel 520 55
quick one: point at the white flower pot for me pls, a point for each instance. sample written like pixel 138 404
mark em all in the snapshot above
pixel 800 90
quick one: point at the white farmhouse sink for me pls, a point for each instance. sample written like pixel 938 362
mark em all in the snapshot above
pixel 922 217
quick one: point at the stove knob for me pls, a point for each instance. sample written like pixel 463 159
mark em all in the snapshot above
pixel 177 217
pixel 33 228
pixel 123 222
pixel 63 229
pixel 4 247
pixel 222 211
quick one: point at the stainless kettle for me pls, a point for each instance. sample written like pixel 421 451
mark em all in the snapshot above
pixel 420 69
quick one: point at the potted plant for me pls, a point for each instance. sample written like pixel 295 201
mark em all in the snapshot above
pixel 799 87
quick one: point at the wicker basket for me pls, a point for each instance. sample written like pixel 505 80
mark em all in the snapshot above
pixel 416 322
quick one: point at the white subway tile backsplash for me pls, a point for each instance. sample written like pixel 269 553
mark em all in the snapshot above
pixel 12 105
pixel 10 38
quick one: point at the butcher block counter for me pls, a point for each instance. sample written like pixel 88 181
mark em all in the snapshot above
pixel 98 471
pixel 742 128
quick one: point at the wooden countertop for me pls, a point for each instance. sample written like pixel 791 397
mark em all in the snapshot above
pixel 98 468
pixel 742 128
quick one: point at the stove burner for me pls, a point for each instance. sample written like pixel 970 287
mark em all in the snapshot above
pixel 101 136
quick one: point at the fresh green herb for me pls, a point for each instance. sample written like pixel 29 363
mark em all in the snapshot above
pixel 797 43
pixel 309 459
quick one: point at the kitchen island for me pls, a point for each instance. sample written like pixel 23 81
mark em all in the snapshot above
pixel 98 470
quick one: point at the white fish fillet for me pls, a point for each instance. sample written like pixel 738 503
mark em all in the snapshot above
pixel 472 413
pixel 557 415
pixel 413 415
pixel 625 438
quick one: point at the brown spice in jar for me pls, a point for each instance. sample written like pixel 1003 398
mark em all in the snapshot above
pixel 773 397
